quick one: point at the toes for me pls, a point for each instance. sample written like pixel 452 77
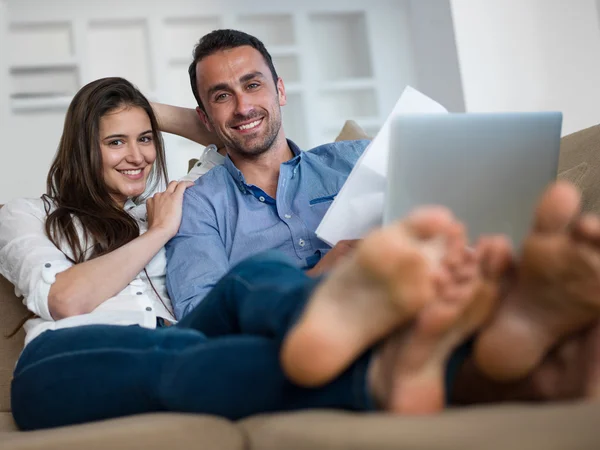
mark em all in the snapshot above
pixel 557 208
pixel 495 255
pixel 592 379
pixel 428 222
pixel 587 228
pixel 455 246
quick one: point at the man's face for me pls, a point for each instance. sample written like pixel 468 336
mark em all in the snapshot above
pixel 242 102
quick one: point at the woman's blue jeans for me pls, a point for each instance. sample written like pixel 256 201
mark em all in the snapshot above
pixel 223 359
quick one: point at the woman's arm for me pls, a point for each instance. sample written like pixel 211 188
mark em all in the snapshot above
pixel 82 287
pixel 184 122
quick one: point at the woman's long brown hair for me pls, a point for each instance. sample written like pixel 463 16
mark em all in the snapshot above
pixel 77 201
pixel 75 184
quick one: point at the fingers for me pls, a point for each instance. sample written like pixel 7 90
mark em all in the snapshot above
pixel 172 186
pixel 181 187
pixel 343 248
pixel 150 206
pixel 350 243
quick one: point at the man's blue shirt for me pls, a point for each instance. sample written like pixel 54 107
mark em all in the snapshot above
pixel 225 220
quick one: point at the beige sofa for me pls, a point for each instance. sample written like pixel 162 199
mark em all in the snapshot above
pixel 566 426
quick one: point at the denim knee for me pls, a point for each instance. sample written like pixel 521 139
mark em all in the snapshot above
pixel 262 262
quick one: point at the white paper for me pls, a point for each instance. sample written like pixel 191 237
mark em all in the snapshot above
pixel 358 208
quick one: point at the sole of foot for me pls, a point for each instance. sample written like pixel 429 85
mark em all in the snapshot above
pixel 556 290
pixel 391 276
pixel 408 373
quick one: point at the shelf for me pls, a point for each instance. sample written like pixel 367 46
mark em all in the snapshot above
pixel 41 103
pixel 49 102
pixel 180 60
pixel 348 85
pixel 294 120
pixel 287 67
pixel 120 48
pixel 293 88
pixel 283 50
pixel 40 66
pixel 271 29
pixel 348 104
pixel 181 34
pixel 32 81
pixel 340 43
pixel 43 41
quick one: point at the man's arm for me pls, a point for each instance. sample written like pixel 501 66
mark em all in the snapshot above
pixel 196 257
pixel 184 122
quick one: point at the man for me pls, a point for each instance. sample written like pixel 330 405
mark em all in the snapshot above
pixel 254 201
pixel 268 194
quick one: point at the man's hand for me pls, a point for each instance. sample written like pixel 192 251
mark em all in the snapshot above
pixel 341 250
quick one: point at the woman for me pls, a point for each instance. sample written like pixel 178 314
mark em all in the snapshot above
pixel 88 259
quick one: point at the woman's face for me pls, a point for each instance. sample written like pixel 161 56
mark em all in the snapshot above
pixel 127 147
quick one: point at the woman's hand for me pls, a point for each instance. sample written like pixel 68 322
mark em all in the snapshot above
pixel 164 208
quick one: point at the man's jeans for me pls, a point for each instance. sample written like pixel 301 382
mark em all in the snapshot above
pixel 223 359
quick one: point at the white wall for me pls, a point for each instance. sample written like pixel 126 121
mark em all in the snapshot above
pixel 150 42
pixel 521 55
pixel 4 88
pixel 434 52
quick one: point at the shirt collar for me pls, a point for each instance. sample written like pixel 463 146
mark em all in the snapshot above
pixel 238 176
pixel 129 204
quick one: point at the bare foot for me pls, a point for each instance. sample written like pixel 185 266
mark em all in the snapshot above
pixel 556 291
pixel 408 371
pixel 592 364
pixel 391 276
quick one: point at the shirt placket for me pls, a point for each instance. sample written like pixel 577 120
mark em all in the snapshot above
pixel 299 235
pixel 138 288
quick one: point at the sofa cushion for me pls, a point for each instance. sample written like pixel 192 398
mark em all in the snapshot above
pixel 146 431
pixel 7 423
pixel 12 311
pixel 351 131
pixel 580 163
pixel 548 427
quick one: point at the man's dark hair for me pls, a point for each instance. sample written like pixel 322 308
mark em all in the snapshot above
pixel 224 40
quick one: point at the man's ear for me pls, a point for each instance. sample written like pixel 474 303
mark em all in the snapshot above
pixel 281 92
pixel 204 118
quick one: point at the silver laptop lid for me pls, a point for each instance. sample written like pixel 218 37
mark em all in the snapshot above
pixel 488 168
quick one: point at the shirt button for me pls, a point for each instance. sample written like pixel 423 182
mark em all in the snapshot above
pixel 301 243
pixel 47 265
pixel 261 198
pixel 148 308
pixel 288 216
pixel 139 292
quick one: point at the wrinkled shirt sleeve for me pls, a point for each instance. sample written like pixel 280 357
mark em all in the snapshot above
pixel 28 259
pixel 196 256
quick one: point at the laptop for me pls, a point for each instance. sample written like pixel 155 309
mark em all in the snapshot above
pixel 488 168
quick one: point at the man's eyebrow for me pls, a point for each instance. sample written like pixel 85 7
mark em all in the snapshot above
pixel 250 76
pixel 243 79
pixel 217 87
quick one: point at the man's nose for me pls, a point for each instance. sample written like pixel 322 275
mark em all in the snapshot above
pixel 243 105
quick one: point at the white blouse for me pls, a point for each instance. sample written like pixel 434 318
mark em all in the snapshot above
pixel 30 261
